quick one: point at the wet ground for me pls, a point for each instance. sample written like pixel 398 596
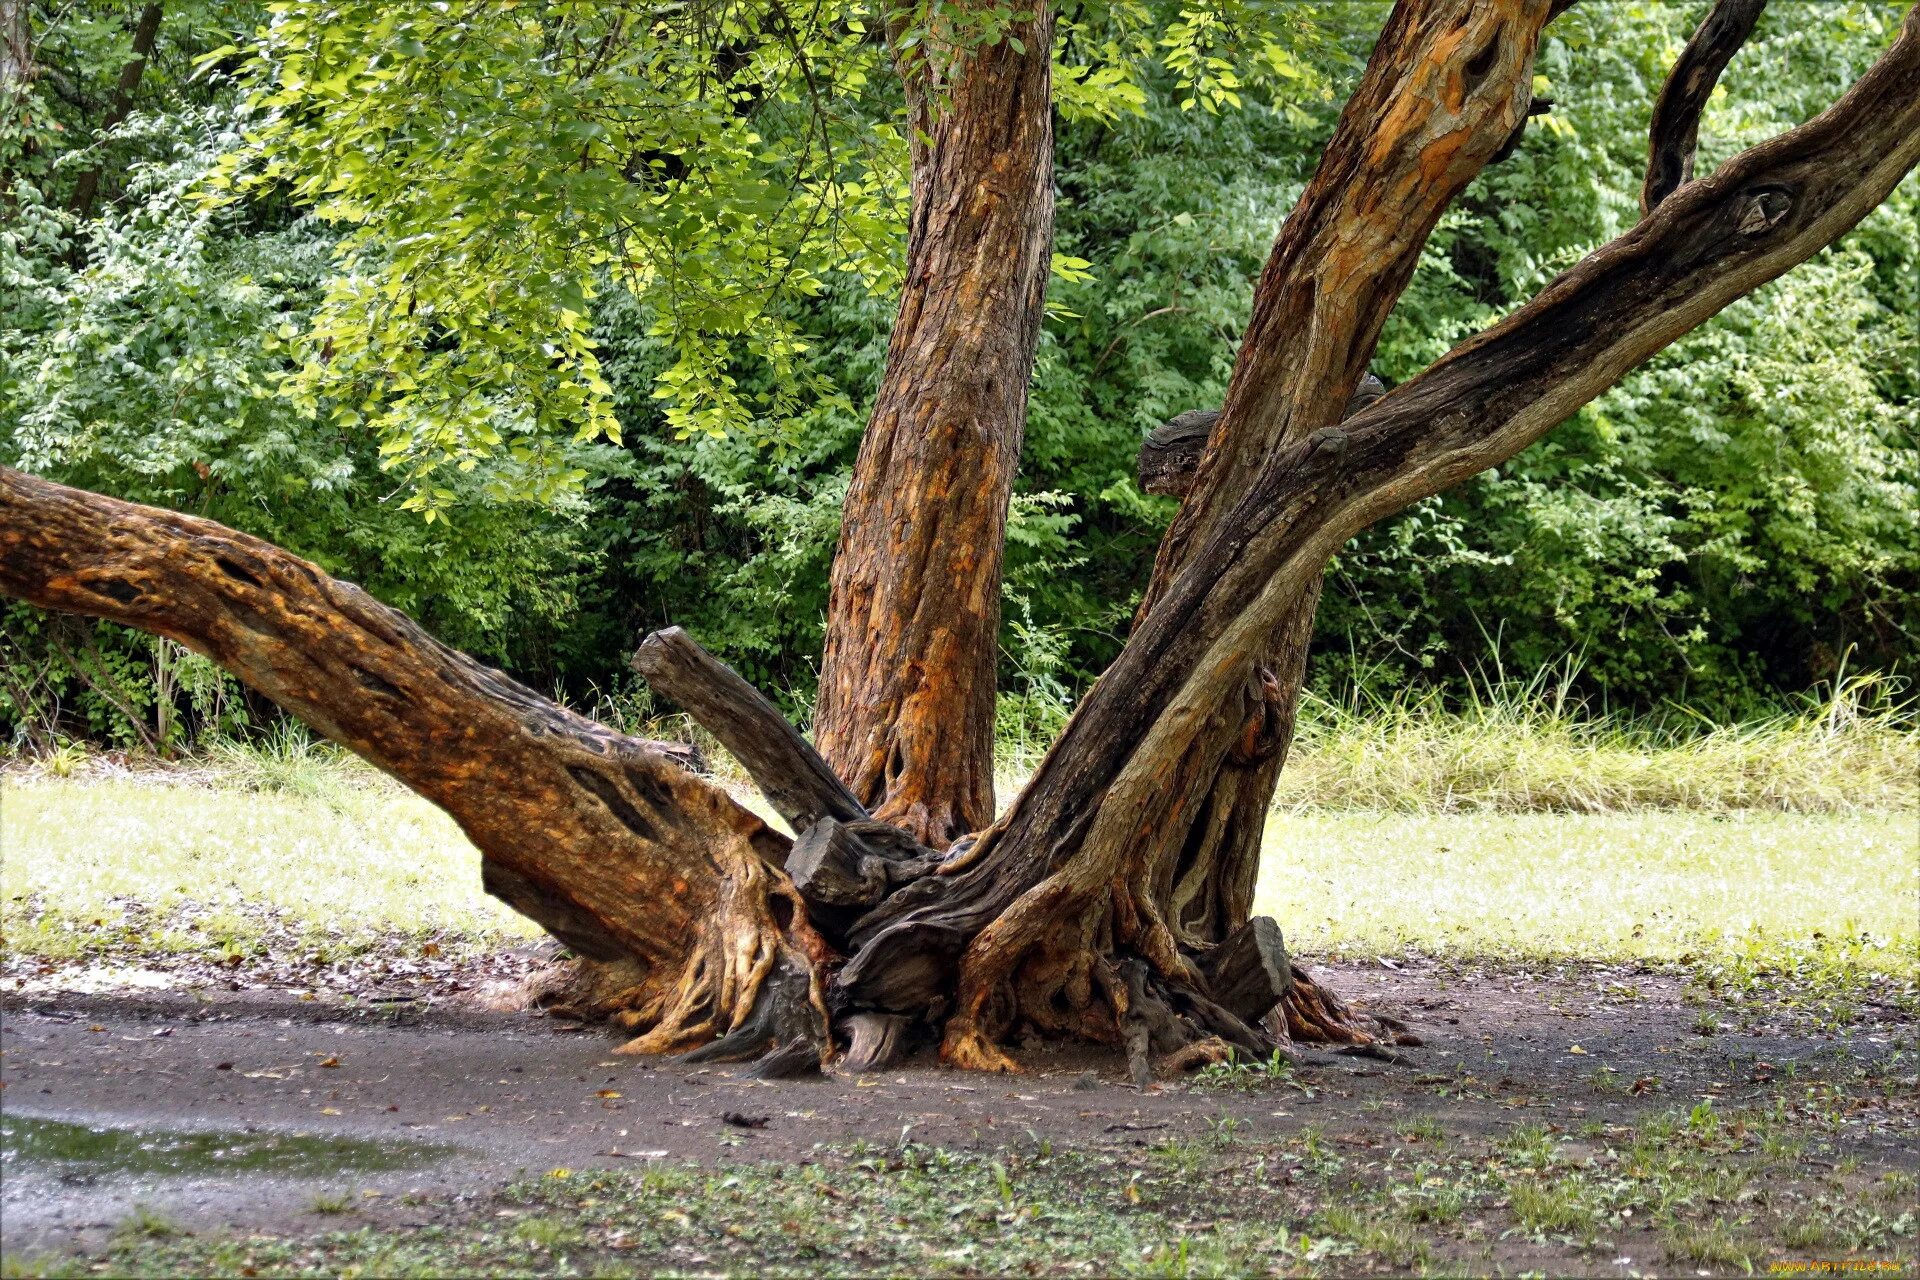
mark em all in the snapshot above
pixel 277 1113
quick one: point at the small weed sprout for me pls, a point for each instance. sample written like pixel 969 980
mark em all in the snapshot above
pixel 1245 1075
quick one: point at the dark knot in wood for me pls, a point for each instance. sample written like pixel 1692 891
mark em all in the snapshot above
pixel 1170 455
pixel 1763 210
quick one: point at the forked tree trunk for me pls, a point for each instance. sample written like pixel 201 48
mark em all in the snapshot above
pixel 1062 875
pixel 906 703
pixel 1062 915
pixel 1217 838
pixel 1447 88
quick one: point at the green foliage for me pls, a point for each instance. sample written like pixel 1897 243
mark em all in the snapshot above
pixel 1736 516
pixel 462 250
pixel 499 168
pixel 141 355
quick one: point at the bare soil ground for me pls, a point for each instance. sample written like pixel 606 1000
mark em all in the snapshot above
pixel 1583 1120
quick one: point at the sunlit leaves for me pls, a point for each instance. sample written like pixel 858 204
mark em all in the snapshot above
pixel 499 166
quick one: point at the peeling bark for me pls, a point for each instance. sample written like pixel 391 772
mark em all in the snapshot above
pixel 906 703
pixel 604 840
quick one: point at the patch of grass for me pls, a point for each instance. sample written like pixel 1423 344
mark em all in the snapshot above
pixel 1531 1147
pixel 1759 888
pixel 288 760
pixel 1559 1206
pixel 1245 1075
pixel 1431 1198
pixel 1827 977
pixel 1710 1244
pixel 1529 746
pixel 1392 1239
pixel 104 865
pixel 1807 1232
pixel 903 1211
pixel 1422 1129
pixel 143 1223
pixel 548 1233
pixel 1694 1183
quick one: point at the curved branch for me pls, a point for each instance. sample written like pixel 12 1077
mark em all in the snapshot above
pixel 603 839
pixel 1170 455
pixel 1675 132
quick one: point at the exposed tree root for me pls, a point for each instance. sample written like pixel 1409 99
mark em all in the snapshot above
pixel 723 994
pixel 1311 1014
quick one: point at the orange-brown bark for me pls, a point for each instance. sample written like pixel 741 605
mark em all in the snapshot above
pixel 1061 867
pixel 905 712
pixel 1080 911
pixel 1447 88
pixel 611 846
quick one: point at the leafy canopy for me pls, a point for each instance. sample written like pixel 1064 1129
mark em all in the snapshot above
pixel 497 166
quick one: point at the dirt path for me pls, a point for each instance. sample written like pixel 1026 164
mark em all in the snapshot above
pixel 473 1099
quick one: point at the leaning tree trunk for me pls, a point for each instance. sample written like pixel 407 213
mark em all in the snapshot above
pixel 1214 846
pixel 673 890
pixel 1447 87
pixel 906 703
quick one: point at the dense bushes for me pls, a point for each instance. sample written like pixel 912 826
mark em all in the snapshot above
pixel 1727 525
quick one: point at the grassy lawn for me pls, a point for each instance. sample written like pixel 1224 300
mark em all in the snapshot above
pixel 217 859
pixel 1653 885
pixel 196 867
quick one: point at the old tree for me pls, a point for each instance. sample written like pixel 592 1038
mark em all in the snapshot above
pixel 1111 899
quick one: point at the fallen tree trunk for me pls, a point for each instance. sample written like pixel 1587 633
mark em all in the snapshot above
pixel 633 862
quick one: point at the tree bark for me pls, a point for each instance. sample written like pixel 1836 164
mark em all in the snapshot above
pixel 1447 90
pixel 1067 914
pixel 1059 880
pixel 1674 135
pixel 17 69
pixel 906 703
pixel 624 856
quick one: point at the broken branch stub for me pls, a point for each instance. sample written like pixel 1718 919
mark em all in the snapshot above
pixel 1249 973
pixel 781 762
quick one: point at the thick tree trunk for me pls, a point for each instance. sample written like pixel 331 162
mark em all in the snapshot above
pixel 1060 883
pixel 1067 914
pixel 906 702
pixel 1447 89
pixel 619 852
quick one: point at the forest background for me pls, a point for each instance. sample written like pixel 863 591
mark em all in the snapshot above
pixel 1731 527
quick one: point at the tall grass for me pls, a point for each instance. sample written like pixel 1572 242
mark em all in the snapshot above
pixel 1505 746
pixel 1531 746
pixel 287 760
